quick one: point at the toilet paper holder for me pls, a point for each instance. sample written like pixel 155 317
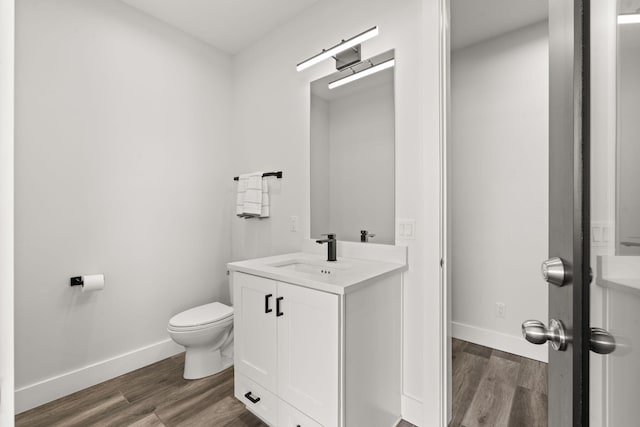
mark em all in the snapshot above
pixel 77 281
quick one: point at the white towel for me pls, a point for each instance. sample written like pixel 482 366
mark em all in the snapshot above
pixel 253 195
pixel 264 208
pixel 252 199
pixel 243 180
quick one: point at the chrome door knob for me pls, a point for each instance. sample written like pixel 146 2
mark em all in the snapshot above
pixel 602 342
pixel 536 332
pixel 553 271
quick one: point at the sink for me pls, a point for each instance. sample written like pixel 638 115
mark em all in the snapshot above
pixel 322 269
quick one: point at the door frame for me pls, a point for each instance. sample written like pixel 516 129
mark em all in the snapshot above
pixel 436 399
pixel 7 42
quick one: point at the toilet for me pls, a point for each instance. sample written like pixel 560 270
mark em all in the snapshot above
pixel 206 332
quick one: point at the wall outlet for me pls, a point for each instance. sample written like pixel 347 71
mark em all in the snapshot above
pixel 293 224
pixel 501 310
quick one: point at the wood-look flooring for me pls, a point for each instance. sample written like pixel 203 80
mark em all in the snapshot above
pixel 153 396
pixel 492 388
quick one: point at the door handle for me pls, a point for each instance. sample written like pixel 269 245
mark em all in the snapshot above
pixel 535 332
pixel 553 271
pixel 278 312
pixel 251 398
pixel 601 342
pixel 266 303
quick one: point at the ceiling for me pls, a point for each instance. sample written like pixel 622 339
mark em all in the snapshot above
pixel 473 21
pixel 229 25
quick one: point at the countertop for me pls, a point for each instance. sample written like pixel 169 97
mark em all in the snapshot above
pixel 347 274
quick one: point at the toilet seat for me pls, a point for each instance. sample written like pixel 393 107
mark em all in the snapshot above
pixel 201 317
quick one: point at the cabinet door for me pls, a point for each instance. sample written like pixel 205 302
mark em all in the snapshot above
pixel 308 352
pixel 255 329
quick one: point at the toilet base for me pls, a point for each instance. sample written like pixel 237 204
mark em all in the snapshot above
pixel 200 363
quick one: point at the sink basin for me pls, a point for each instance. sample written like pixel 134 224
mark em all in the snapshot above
pixel 322 269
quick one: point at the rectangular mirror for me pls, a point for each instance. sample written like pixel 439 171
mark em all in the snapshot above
pixel 353 155
pixel 628 148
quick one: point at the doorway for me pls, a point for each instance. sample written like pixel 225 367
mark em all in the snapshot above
pixel 498 201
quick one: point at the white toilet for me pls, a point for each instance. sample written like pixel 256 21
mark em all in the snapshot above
pixel 206 332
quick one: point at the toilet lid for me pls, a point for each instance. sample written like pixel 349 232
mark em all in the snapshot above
pixel 201 315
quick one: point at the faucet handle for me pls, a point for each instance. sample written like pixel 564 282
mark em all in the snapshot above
pixel 330 235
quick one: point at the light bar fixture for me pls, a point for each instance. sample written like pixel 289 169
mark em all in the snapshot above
pixel 629 18
pixel 364 73
pixel 344 45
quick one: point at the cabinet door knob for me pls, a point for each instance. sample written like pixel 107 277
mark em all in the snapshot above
pixel 266 303
pixel 278 312
pixel 251 398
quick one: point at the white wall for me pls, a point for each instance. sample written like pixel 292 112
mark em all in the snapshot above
pixel 499 158
pixel 361 166
pixel 122 167
pixel 6 211
pixel 271 122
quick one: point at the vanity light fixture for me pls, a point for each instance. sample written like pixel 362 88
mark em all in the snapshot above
pixel 629 18
pixel 352 43
pixel 360 74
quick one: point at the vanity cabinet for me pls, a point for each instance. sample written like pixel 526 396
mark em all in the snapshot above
pixel 319 349
pixel 280 325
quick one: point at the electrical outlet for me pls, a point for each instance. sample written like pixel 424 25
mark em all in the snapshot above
pixel 501 310
pixel 293 224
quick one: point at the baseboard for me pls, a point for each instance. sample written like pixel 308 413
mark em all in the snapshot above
pixel 39 393
pixel 411 410
pixel 498 340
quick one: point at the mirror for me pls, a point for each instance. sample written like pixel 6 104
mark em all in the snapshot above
pixel 353 155
pixel 627 144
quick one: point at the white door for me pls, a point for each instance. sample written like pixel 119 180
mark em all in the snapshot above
pixel 255 329
pixel 308 351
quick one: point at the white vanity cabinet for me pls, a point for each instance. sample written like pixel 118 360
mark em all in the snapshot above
pixel 318 351
pixel 278 324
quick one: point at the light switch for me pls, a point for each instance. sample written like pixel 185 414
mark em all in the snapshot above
pixel 406 229
pixel 596 234
pixel 293 224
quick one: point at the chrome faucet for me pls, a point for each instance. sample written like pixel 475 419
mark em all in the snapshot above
pixel 332 243
pixel 365 235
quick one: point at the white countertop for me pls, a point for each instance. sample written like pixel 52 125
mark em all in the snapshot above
pixel 347 274
pixel 619 272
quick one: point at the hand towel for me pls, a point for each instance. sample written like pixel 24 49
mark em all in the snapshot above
pixel 252 205
pixel 264 208
pixel 243 180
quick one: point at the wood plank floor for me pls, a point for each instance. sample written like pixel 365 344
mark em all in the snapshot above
pixel 153 396
pixel 490 388
pixel 497 389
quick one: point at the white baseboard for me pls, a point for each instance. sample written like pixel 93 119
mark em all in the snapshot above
pixel 39 393
pixel 411 410
pixel 498 340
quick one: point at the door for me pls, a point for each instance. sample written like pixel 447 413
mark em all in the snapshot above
pixel 569 212
pixel 593 271
pixel 567 270
pixel 255 329
pixel 308 352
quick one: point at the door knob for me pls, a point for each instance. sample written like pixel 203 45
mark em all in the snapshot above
pixel 553 271
pixel 536 332
pixel 602 342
